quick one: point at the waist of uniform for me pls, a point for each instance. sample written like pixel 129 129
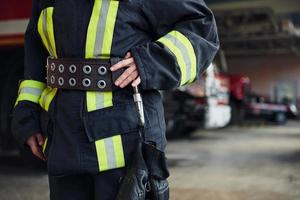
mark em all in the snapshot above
pixel 82 74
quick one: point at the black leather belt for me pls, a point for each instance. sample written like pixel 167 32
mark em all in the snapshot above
pixel 82 74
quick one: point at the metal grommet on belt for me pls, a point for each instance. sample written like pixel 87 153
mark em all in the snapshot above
pixel 52 67
pixel 61 68
pixel 72 69
pixel 52 79
pixel 102 70
pixel 87 69
pixel 86 82
pixel 101 84
pixel 72 82
pixel 61 81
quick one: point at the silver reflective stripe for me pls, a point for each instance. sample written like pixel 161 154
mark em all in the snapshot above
pixel 184 52
pixel 101 28
pixel 33 91
pixel 110 153
pixel 46 32
pixel 99 98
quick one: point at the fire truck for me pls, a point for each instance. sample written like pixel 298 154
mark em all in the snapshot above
pixel 14 17
pixel 203 104
pixel 247 105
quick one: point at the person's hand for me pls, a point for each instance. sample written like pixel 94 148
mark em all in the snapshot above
pixel 35 142
pixel 130 75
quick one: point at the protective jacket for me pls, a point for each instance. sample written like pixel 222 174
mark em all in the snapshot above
pixel 172 42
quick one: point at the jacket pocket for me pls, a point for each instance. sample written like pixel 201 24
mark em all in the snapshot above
pixel 117 120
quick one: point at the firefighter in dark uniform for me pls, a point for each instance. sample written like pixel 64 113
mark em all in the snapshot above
pixel 75 107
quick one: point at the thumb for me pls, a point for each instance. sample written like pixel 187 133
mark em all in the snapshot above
pixel 40 139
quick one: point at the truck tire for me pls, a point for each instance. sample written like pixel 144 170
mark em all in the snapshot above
pixel 280 118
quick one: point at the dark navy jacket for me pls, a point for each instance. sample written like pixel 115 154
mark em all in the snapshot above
pixel 158 33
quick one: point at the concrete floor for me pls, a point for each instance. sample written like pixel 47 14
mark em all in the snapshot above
pixel 236 163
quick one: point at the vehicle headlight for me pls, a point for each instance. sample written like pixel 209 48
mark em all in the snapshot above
pixel 293 108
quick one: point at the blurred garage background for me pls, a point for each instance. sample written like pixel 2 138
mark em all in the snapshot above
pixel 233 135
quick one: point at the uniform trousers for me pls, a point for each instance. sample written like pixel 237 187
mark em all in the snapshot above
pixel 102 186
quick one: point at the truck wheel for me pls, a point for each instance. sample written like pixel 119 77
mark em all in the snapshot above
pixel 280 118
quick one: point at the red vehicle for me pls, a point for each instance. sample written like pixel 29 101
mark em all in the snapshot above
pixel 14 16
pixel 203 104
pixel 245 104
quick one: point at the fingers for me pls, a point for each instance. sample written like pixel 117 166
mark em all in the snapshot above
pixel 123 63
pixel 40 138
pixel 37 151
pixel 125 75
pixel 35 143
pixel 136 82
pixel 130 74
pixel 129 79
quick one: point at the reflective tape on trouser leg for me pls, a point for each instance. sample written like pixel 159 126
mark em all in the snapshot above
pixel 110 153
pixel 30 90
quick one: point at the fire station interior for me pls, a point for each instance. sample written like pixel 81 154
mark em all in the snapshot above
pixel 234 134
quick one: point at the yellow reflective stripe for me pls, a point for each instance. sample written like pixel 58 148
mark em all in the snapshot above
pixel 109 29
pixel 101 154
pixel 178 56
pixel 45 145
pixel 46 30
pixel 119 154
pixel 32 84
pixel 50 30
pixel 191 53
pixel 47 97
pixel 41 30
pixel 42 99
pixel 27 97
pixel 50 97
pixel 91 101
pixel 185 55
pixel 98 45
pixel 92 29
pixel 98 100
pixel 30 90
pixel 110 153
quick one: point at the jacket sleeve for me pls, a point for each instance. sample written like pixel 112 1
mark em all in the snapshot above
pixel 185 42
pixel 25 121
